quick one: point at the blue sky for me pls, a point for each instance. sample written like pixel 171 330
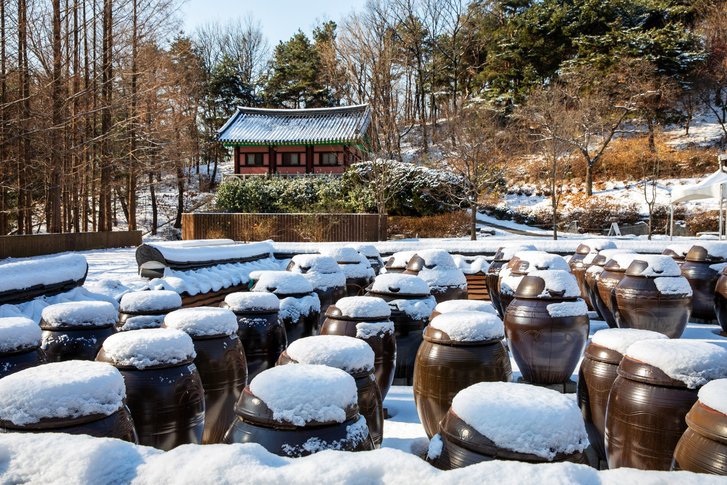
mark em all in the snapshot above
pixel 280 19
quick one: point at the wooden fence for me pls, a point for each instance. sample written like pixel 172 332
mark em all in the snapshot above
pixel 39 244
pixel 284 227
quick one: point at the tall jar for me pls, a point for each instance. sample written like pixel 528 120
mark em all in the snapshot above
pixel 259 328
pixel 446 281
pixel 720 300
pixel 459 349
pixel 146 309
pixel 357 269
pixel 522 264
pixel 220 361
pixel 19 345
pixel 369 319
pixel 547 326
pixel 76 330
pixel 698 268
pixel 492 277
pixel 594 272
pixel 163 388
pixel 583 259
pixel 613 272
pixel 324 275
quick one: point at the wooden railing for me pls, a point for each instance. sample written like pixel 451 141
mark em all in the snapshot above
pixel 40 244
pixel 284 227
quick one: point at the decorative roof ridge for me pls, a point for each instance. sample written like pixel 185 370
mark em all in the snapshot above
pixel 303 111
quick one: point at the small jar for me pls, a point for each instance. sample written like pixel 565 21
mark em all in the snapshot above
pixel 146 309
pixel 163 387
pixel 324 275
pixel 613 272
pixel 76 330
pixel 298 410
pixel 19 345
pixel 396 263
pixel 701 268
pixel 521 265
pixel 446 281
pixel 492 277
pixel 583 259
pixel 357 269
pixel 459 349
pixel 220 361
pixel 259 328
pixel 74 397
pixel 350 355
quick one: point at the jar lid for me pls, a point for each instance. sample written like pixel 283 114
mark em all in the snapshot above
pixel 708 416
pixel 314 263
pixel 150 301
pixel 399 260
pixel 18 333
pixel 397 284
pixel 342 254
pixel 714 395
pixel 594 246
pixel 450 306
pixel 707 253
pixel 281 283
pixel 620 339
pixel 434 259
pixel 155 347
pixel 252 302
pixel 538 260
pixel 60 390
pixel 604 256
pixel 548 285
pixel 346 353
pixel 92 314
pixel 620 261
pixel 677 251
pixel 654 266
pixel 505 253
pixel 455 327
pixel 360 308
pixel 203 321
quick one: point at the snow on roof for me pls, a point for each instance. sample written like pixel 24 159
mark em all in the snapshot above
pixel 296 126
pixel 363 307
pixel 252 301
pixel 303 393
pixel 346 353
pixel 620 339
pixel 61 390
pixel 18 333
pixel 193 254
pixel 450 306
pixel 692 362
pixel 26 273
pixel 80 314
pixel 464 326
pixel 149 347
pixel 714 395
pixel 202 321
pixel 150 301
pixel 523 418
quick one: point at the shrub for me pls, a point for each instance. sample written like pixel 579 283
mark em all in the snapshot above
pixel 703 222
pixel 452 224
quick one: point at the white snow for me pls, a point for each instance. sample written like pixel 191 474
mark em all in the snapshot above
pixel 366 330
pixel 478 264
pixel 624 259
pixel 356 433
pixel 315 263
pixel 692 362
pixel 150 301
pixel 469 326
pixel 416 309
pixel 213 252
pixel 346 353
pixel 361 269
pixel 342 254
pixel 61 390
pixel 540 260
pixel 659 265
pixel 523 418
pixel 393 283
pixel 558 280
pixel 588 259
pixel 142 321
pixel 280 282
pixel 363 307
pixel 149 347
pixel 324 281
pixel 302 393
pixel 465 306
pixel 80 314
pixel 400 259
pixel 368 250
pixel 714 395
pixel 714 249
pixel 597 245
pixel 293 307
pixel 595 269
pixel 252 301
pixel 567 309
pixel 620 339
pixel 435 447
pixel 26 273
pixel 669 285
pixel 18 333
pixel 507 252
pixel 202 321
pixel 439 270
pixel 508 281
pixel 436 258
pixel 33 309
pixel 680 248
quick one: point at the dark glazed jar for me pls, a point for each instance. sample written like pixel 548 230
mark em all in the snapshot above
pixel 522 264
pixel 411 304
pixel 583 259
pixel 720 300
pixel 459 349
pixel 220 361
pixel 446 281
pixel 547 428
pixel 653 296
pixel 76 330
pixel 356 267
pixel 370 252
pixel 260 330
pixel 596 375
pixel 352 356
pixel 299 305
pixel 547 326
pixel 163 388
pixel 19 345
pixel 677 252
pixel 396 263
pixel 368 319
pixel 74 397
pixel 594 272
pixel 492 276
pixel 324 275
pixel 647 406
pixel 298 410
pixel 703 446
pixel 613 272
pixel 697 269
pixel 146 309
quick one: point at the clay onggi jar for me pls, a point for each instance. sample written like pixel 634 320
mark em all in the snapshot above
pixel 297 410
pixel 648 404
pixel 356 267
pixel 697 269
pixel 370 252
pixel 437 267
pixel 369 319
pixel 459 349
pixel 146 309
pixel 352 356
pixel 396 263
pixel 19 345
pixel 521 265
pixel 547 326
pixel 593 273
pixel 596 375
pixel 220 361
pixel 653 296
pixel 260 330
pixel 703 446
pixel 163 387
pixel 720 300
pixel 324 275
pixel 613 272
pixel 492 276
pixel 76 330
pixel 583 259
pixel 74 397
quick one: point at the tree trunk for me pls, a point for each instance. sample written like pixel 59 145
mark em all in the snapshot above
pixel 105 194
pixel 53 222
pixel 180 195
pixel 131 182
pixel 589 178
pixel 5 167
pixel 154 209
pixel 473 221
pixel 25 197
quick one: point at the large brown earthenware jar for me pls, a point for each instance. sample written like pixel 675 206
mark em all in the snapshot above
pixel 446 281
pixel 344 353
pixel 396 263
pixel 76 330
pixel 613 272
pixel 411 304
pixel 492 276
pixel 163 388
pixel 372 324
pixel 19 345
pixel 260 330
pixel 220 361
pixel 522 264
pixel 594 272
pixel 287 433
pixel 702 278
pixel 324 275
pixel 653 296
pixel 583 259
pixel 703 446
pixel 47 406
pixel 720 300
pixel 146 309
pixel 547 326
pixel 356 267
pixel 446 364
